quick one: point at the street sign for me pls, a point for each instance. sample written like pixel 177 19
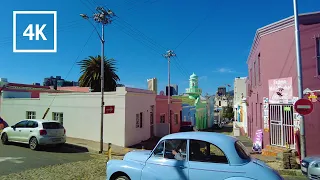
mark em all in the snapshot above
pixel 313 97
pixel 109 109
pixel 303 106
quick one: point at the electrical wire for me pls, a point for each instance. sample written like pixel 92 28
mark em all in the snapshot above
pixel 136 34
pixel 74 63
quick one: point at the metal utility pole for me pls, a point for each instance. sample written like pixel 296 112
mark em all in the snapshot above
pixel 168 55
pixel 299 72
pixel 103 17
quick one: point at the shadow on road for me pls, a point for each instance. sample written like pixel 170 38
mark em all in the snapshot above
pixel 148 144
pixel 66 148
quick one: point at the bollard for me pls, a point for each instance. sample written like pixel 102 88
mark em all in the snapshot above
pixel 109 151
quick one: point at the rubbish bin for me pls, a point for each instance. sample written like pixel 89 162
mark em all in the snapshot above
pixel 236 132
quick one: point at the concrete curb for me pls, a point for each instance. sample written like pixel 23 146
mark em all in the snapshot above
pixel 290 172
pixel 77 147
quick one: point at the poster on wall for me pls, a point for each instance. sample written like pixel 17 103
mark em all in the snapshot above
pixel 265 114
pixel 257 141
pixel 280 90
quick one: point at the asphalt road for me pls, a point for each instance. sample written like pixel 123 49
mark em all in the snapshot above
pixel 16 157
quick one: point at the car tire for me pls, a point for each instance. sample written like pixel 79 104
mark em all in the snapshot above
pixel 122 178
pixel 33 143
pixel 4 139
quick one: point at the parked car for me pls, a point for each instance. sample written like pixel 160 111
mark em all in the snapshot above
pixel 187 128
pixel 192 156
pixel 310 166
pixel 35 133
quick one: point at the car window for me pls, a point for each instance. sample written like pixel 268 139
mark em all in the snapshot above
pixel 32 124
pixel 52 125
pixel 242 151
pixel 202 151
pixel 176 149
pixel 158 151
pixel 21 124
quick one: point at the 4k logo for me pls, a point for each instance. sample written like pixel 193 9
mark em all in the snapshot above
pixel 35 32
pixel 29 32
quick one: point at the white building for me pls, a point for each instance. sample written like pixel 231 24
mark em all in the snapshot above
pixel 153 85
pixel 80 113
pixel 240 92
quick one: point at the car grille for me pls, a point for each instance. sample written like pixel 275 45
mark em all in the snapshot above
pixel 314 177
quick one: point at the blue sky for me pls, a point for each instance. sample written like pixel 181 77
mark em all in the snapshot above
pixel 216 51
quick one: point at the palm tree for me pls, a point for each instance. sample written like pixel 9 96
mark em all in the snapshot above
pixel 91 68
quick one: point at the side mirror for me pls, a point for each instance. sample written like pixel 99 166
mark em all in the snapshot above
pixel 13 127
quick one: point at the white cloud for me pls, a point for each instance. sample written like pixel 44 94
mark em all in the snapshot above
pixel 203 78
pixel 224 70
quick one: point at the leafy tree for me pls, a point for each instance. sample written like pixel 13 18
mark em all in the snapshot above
pixel 228 112
pixel 91 68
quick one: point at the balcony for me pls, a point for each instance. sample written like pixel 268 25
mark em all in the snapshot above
pixel 193 90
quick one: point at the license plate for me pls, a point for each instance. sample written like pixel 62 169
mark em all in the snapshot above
pixel 56 140
pixel 303 169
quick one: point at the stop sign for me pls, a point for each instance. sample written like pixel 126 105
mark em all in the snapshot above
pixel 303 106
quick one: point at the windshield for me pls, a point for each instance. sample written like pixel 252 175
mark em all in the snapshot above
pixel 242 150
pixel 52 125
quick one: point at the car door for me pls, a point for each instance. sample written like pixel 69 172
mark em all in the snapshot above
pixel 15 134
pixel 207 161
pixel 162 164
pixel 28 130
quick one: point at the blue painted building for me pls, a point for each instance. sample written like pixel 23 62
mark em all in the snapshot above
pixel 189 113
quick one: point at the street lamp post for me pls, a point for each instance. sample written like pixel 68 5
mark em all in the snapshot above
pixel 103 17
pixel 299 72
pixel 168 55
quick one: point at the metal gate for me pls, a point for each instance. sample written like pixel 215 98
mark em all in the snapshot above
pixel 281 125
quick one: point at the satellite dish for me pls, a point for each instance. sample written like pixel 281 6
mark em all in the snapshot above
pixel 161 93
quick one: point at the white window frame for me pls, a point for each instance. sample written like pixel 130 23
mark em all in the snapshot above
pixel 163 115
pixel 57 116
pixel 31 114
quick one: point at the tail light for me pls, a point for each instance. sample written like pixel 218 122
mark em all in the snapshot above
pixel 43 132
pixel 64 131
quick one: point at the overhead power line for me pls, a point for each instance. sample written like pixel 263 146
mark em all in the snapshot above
pixel 74 63
pixel 194 29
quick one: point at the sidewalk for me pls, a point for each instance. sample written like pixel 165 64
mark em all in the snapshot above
pixel 94 147
pixel 271 161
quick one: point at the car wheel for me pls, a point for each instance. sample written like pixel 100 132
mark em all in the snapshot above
pixel 4 138
pixel 33 143
pixel 122 178
pixel 220 125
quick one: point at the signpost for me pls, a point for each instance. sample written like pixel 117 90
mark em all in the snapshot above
pixel 109 109
pixel 303 106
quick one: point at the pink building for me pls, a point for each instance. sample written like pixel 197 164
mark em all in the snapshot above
pixel 272 84
pixel 161 115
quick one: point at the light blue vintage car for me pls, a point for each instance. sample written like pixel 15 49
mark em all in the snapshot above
pixel 192 156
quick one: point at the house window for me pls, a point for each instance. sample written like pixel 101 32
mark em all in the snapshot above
pixel 162 118
pixel 58 116
pixel 259 72
pixel 255 74
pixel 318 54
pixel 31 115
pixel 137 120
pixel 141 119
pixel 251 77
pixel 176 119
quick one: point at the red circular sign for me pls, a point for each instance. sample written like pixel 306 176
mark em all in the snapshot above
pixel 303 106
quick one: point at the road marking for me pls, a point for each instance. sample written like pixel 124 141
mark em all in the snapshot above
pixel 12 159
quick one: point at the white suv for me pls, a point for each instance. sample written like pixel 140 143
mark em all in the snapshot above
pixel 35 132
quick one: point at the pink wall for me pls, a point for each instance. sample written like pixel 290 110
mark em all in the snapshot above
pixel 311 81
pixel 278 60
pixel 162 108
